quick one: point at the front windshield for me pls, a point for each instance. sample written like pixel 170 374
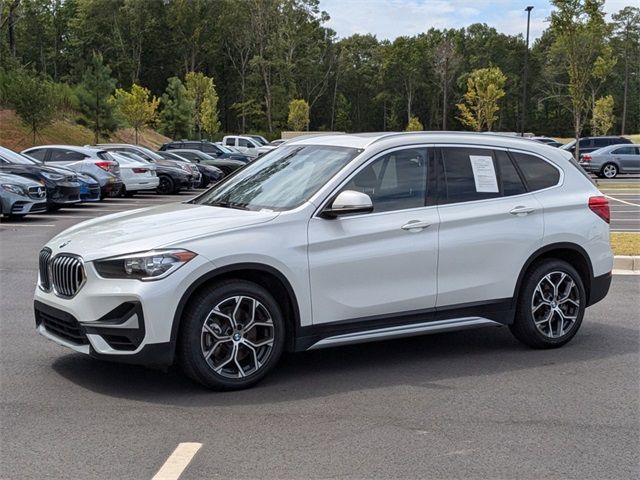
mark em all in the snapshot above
pixel 282 180
pixel 15 157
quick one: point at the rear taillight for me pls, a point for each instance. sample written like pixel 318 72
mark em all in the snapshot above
pixel 586 158
pixel 600 206
pixel 105 165
pixel 139 170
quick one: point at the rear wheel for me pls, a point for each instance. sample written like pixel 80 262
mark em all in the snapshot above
pixel 165 186
pixel 231 336
pixel 609 170
pixel 551 305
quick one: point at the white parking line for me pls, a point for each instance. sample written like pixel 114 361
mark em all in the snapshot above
pixel 622 201
pixel 26 225
pixel 177 461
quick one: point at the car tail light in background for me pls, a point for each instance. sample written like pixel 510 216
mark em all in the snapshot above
pixel 139 170
pixel 600 206
pixel 108 166
pixel 585 158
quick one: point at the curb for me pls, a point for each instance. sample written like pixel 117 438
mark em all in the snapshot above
pixel 626 264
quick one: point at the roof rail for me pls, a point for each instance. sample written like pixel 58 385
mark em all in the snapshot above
pixel 385 136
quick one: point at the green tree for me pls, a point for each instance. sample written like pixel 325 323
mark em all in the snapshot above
pixel 298 115
pixel 31 97
pixel 579 29
pixel 485 87
pixel 414 125
pixel 603 120
pixel 209 113
pixel 343 114
pixel 137 108
pixel 94 93
pixel 177 113
pixel 627 31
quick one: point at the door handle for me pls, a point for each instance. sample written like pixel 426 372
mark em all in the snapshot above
pixel 521 210
pixel 415 226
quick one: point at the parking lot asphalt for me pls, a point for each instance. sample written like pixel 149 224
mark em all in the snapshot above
pixel 624 202
pixel 472 404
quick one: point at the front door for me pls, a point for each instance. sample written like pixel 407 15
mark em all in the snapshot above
pixel 379 264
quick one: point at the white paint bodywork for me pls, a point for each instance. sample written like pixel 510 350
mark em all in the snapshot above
pixel 349 267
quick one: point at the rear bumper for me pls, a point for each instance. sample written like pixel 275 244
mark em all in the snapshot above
pixel 599 288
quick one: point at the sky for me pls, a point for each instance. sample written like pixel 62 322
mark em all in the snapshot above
pixel 388 19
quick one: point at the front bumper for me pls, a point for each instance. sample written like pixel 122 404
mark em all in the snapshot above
pixel 20 205
pixel 123 320
pixel 90 193
pixel 64 194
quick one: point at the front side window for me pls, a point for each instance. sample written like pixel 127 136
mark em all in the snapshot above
pixel 280 181
pixel 538 174
pixel 396 181
pixel 38 154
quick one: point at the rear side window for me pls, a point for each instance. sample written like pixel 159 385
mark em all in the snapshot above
pixel 510 180
pixel 538 174
pixel 624 151
pixel 469 174
pixel 65 156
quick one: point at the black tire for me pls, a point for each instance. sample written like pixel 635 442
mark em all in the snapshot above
pixel 126 193
pixel 192 338
pixel 54 207
pixel 166 185
pixel 609 170
pixel 524 327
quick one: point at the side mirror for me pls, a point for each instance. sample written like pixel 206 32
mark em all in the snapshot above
pixel 348 202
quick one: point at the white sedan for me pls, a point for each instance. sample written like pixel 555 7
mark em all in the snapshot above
pixel 136 175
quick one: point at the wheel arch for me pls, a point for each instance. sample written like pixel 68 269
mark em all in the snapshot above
pixel 264 275
pixel 572 253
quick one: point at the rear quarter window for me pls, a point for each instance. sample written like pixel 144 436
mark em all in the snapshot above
pixel 538 174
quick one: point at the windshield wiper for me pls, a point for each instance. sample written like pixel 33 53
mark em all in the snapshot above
pixel 238 206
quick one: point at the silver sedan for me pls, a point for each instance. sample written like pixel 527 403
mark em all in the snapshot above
pixel 610 161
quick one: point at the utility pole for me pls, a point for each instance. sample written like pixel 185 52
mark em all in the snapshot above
pixel 526 74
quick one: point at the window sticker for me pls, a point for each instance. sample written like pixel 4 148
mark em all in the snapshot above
pixel 484 174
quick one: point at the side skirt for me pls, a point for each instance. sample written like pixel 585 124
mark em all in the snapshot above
pixel 404 324
pixel 404 331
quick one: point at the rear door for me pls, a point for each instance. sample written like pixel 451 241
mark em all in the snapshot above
pixel 489 225
pixel 627 158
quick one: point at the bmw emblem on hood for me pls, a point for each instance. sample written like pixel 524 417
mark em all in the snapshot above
pixel 64 244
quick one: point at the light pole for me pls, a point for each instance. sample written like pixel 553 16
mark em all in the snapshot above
pixel 526 73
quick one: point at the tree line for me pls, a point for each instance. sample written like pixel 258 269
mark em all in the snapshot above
pixel 199 67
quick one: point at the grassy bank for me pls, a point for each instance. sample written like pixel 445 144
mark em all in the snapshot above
pixel 625 243
pixel 15 135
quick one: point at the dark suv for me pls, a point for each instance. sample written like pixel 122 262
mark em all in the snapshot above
pixel 210 148
pixel 591 144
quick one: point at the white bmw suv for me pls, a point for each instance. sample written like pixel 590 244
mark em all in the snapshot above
pixel 334 240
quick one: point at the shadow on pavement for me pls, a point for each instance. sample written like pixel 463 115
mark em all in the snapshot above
pixel 421 362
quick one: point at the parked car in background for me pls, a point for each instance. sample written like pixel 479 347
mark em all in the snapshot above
pixel 20 196
pixel 547 141
pixel 336 240
pixel 209 173
pixel 258 138
pixel 227 166
pixel 269 147
pixel 145 153
pixel 90 190
pixel 590 144
pixel 212 149
pixel 62 186
pixel 137 175
pixel 244 144
pixel 172 175
pixel 610 161
pixel 95 162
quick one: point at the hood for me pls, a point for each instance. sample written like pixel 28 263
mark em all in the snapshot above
pixel 154 227
pixel 17 180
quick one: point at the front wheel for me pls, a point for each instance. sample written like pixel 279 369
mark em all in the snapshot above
pixel 551 305
pixel 609 170
pixel 232 334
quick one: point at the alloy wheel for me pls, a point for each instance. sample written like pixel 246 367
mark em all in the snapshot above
pixel 555 304
pixel 237 337
pixel 610 171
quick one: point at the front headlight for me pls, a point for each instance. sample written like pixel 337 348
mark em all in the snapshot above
pixel 54 177
pixel 152 265
pixel 17 189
